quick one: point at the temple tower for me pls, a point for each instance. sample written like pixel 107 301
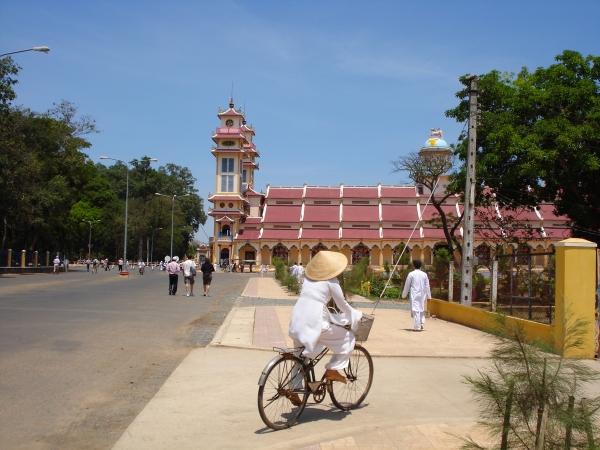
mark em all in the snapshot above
pixel 235 156
pixel 436 147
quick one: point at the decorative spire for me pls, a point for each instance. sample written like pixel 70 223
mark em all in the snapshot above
pixel 231 104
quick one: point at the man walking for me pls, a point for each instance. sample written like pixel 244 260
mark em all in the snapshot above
pixel 120 264
pixel 207 269
pixel 173 271
pixel 188 267
pixel 56 263
pixel 87 263
pixel 418 284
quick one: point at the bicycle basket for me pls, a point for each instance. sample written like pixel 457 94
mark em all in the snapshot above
pixel 364 327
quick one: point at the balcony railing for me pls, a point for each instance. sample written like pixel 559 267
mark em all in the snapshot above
pixel 228 130
pixel 224 237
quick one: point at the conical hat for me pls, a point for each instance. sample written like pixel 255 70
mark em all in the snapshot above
pixel 326 265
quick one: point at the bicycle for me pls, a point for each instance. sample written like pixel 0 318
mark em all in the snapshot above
pixel 141 270
pixel 287 374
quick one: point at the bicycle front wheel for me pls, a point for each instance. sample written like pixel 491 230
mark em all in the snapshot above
pixel 285 381
pixel 359 376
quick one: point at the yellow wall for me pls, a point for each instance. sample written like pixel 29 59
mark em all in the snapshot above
pixel 483 320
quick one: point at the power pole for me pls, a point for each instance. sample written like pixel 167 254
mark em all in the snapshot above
pixel 466 273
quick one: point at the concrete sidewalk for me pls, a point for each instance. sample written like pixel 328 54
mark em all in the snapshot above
pixel 417 400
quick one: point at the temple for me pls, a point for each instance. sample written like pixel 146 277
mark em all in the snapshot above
pixel 296 222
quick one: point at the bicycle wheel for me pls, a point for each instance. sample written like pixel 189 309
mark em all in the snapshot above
pixel 286 377
pixel 359 376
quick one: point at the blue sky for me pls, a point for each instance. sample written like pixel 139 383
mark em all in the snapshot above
pixel 334 89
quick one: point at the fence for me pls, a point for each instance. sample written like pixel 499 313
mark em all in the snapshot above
pixel 523 285
pixel 32 258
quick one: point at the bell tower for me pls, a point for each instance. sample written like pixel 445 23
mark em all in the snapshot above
pixel 235 157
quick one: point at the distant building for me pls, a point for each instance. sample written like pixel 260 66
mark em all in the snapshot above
pixel 296 222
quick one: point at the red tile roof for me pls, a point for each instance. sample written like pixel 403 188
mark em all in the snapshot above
pixel 324 234
pixel 432 233
pixel 230 112
pixel 362 213
pixel 399 213
pixel 398 192
pixel 322 192
pixel 360 233
pixel 555 232
pixel 253 220
pixel 399 233
pixel 321 213
pixel 245 235
pixel 280 234
pixel 430 212
pixel 282 214
pixel 276 192
pixel 361 192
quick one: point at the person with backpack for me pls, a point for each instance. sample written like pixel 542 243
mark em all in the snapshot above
pixel 188 267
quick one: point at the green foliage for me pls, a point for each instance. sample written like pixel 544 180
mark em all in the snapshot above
pixel 282 274
pixel 49 186
pixel 440 268
pixel 538 378
pixel 540 130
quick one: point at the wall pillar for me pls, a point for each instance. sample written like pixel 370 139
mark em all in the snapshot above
pixel 575 294
pixel 35 259
pixel 23 253
pixel 47 259
pixel 9 258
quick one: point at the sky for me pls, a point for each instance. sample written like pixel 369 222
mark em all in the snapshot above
pixel 334 89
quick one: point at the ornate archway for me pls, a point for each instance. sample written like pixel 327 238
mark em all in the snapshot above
pixel 359 252
pixel 316 249
pixel 483 253
pixel 281 251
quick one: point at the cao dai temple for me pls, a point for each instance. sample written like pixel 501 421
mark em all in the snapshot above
pixel 296 222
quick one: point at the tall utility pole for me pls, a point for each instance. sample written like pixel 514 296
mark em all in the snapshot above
pixel 466 283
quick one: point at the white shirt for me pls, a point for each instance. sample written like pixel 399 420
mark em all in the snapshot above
pixel 186 267
pixel 310 317
pixel 418 283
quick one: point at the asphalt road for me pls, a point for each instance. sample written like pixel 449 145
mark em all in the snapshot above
pixel 81 354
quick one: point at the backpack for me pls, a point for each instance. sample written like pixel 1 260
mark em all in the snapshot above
pixel 193 270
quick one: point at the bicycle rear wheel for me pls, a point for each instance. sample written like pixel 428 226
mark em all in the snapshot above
pixel 285 378
pixel 359 376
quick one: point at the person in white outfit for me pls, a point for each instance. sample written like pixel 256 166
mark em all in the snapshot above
pixel 300 273
pixel 313 327
pixel 418 284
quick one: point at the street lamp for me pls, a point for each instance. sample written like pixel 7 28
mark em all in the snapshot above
pixel 90 238
pixel 152 246
pixel 172 214
pixel 43 49
pixel 127 197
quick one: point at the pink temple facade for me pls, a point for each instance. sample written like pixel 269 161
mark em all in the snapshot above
pixel 295 222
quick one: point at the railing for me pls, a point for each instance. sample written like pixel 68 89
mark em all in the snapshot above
pixel 229 130
pixel 224 237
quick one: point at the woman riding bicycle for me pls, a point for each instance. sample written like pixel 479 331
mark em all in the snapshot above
pixel 313 327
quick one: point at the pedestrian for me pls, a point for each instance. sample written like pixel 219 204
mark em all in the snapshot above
pixel 120 264
pixel 95 265
pixel 173 271
pixel 417 283
pixel 313 327
pixel 87 263
pixel 207 269
pixel 300 273
pixel 188 267
pixel 56 263
pixel 66 263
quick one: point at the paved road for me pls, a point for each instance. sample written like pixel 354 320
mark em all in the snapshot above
pixel 83 353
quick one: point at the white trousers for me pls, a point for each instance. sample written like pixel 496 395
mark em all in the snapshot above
pixel 341 343
pixel 418 319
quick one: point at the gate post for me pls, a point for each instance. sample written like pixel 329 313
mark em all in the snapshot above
pixel 35 259
pixel 23 253
pixel 47 259
pixel 575 293
pixel 9 258
pixel 494 284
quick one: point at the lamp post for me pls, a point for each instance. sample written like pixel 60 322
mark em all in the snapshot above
pixel 172 215
pixel 43 49
pixel 90 238
pixel 152 246
pixel 127 197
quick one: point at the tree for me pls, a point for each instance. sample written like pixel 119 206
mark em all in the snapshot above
pixel 538 138
pixel 426 171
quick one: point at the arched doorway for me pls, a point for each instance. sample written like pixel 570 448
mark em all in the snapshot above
pixel 224 255
pixel 359 252
pixel 316 249
pixel 280 251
